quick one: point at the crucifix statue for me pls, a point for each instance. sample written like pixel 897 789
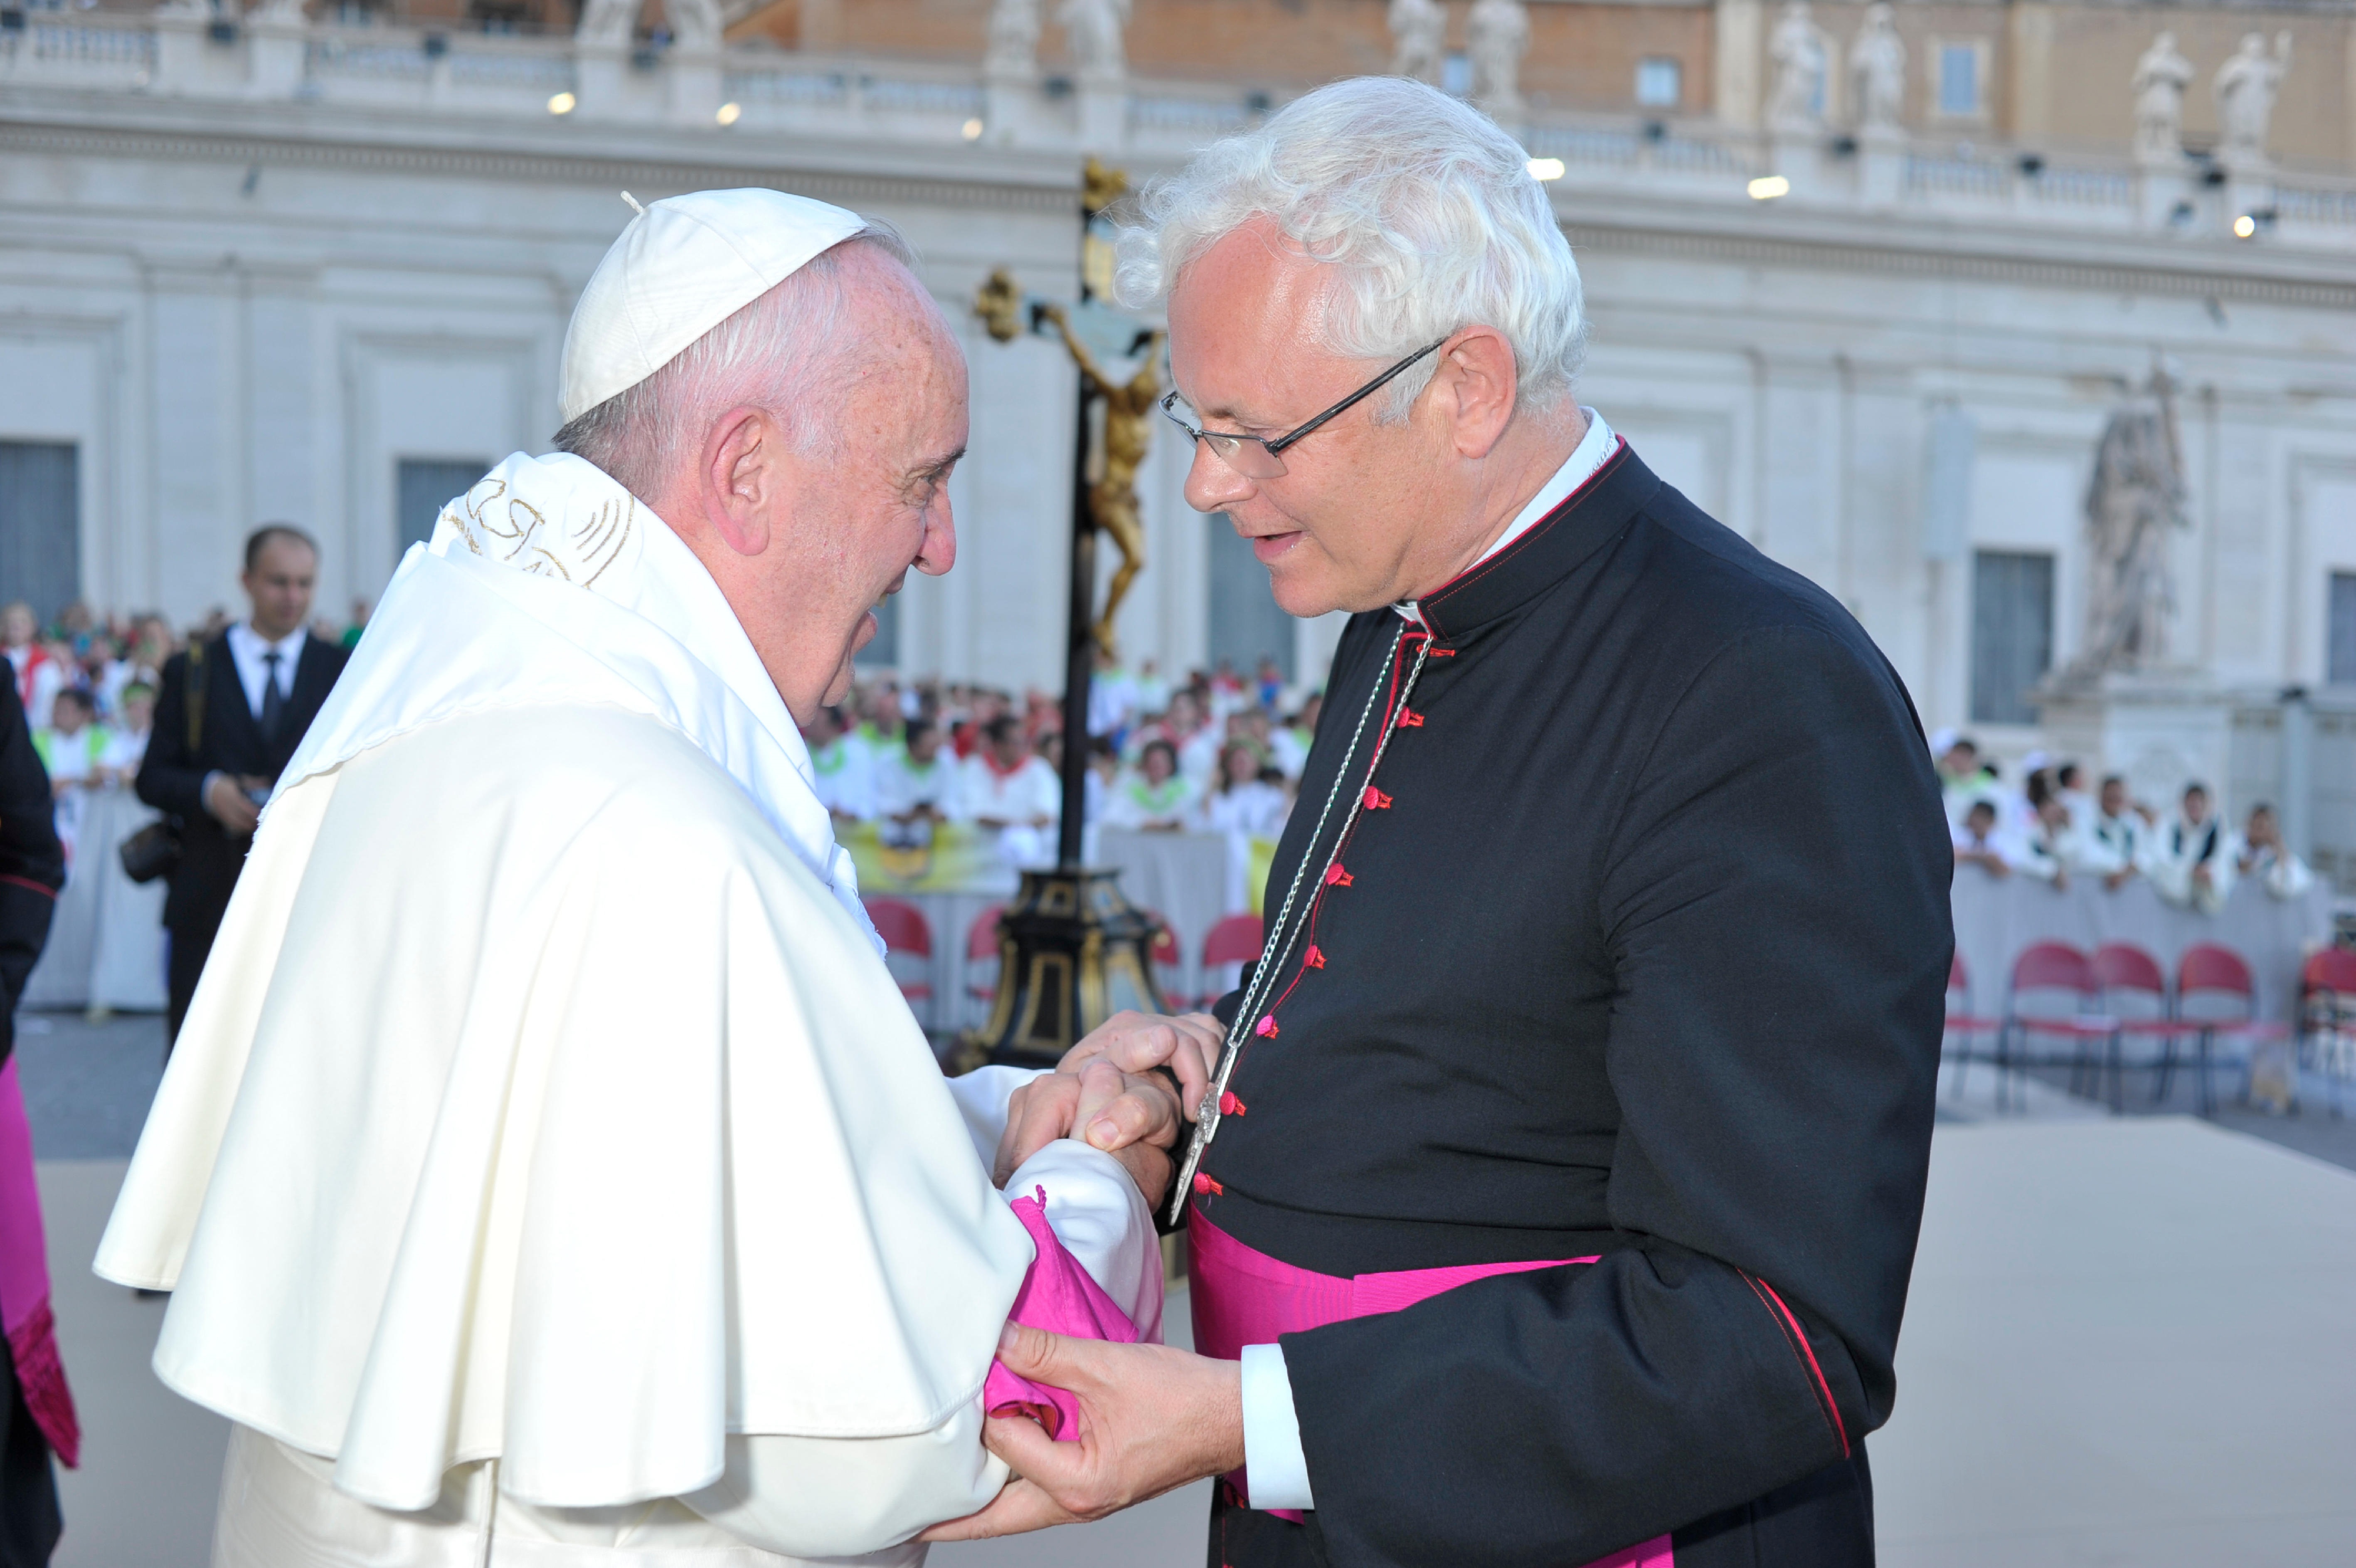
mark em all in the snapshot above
pixel 1129 409
pixel 1071 951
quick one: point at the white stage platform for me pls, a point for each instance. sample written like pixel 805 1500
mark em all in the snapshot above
pixel 2129 1343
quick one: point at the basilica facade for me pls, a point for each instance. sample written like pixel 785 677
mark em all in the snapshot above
pixel 1869 283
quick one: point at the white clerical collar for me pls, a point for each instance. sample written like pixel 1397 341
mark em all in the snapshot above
pixel 1594 449
pixel 244 639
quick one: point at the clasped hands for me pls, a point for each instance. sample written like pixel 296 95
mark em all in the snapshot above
pixel 1151 1418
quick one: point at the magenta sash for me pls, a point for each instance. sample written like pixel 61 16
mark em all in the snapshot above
pixel 1057 1295
pixel 24 1280
pixel 1241 1297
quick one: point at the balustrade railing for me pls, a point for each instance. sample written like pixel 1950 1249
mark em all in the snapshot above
pixel 758 89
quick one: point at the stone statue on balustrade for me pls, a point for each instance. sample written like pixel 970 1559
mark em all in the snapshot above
pixel 696 26
pixel 1798 48
pixel 1012 50
pixel 608 22
pixel 2135 499
pixel 1419 38
pixel 2246 87
pixel 1876 72
pixel 2160 78
pixel 1496 36
pixel 1095 29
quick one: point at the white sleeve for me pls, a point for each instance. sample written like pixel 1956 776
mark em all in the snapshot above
pixel 981 1096
pixel 1277 1469
pixel 820 1497
pixel 1102 1218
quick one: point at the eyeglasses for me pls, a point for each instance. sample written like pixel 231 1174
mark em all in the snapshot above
pixel 1261 457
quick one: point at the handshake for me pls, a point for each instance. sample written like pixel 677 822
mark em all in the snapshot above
pixel 1129 1089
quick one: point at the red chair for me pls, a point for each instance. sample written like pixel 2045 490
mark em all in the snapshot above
pixel 2326 1010
pixel 981 943
pixel 2125 971
pixel 1963 1026
pixel 2053 968
pixel 904 930
pixel 2210 970
pixel 1167 958
pixel 1234 939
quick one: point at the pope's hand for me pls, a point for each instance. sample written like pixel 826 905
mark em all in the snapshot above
pixel 1152 1419
pixel 1062 1104
pixel 1133 1118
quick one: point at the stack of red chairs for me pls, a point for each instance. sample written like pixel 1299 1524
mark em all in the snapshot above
pixel 980 944
pixel 2209 971
pixel 1964 1028
pixel 905 933
pixel 1235 939
pixel 2326 1010
pixel 2059 972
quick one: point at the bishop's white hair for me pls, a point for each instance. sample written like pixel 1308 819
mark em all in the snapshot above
pixel 784 353
pixel 1425 210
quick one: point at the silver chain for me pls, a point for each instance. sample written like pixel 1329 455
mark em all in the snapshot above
pixel 1264 972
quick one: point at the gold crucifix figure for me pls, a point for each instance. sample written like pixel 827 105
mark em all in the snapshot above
pixel 1129 410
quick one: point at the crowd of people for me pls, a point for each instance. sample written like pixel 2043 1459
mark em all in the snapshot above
pixel 2053 829
pixel 88 685
pixel 1215 753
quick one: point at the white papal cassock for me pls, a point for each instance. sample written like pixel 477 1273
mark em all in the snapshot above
pixel 549 1171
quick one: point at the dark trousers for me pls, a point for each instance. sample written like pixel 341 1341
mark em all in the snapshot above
pixel 29 1522
pixel 191 943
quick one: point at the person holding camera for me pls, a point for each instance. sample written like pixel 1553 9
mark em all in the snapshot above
pixel 231 712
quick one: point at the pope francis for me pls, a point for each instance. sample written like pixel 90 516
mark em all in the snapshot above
pixel 550 1172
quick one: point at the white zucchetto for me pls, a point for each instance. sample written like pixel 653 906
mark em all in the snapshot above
pixel 683 267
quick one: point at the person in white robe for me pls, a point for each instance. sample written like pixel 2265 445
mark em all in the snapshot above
pixel 844 767
pixel 2046 849
pixel 2258 853
pixel 1012 795
pixel 2191 863
pixel 2114 841
pixel 550 1172
pixel 916 788
pixel 1248 812
pixel 1154 797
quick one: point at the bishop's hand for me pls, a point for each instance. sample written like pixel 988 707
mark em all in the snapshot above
pixel 1152 1419
pixel 1109 1093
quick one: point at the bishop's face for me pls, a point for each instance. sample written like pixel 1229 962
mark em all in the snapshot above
pixel 1361 516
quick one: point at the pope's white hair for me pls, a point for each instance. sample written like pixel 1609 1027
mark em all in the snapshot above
pixel 781 353
pixel 1425 211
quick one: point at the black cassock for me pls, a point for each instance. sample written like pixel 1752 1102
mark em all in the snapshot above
pixel 1638 949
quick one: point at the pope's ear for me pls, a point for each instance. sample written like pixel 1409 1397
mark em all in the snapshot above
pixel 742 477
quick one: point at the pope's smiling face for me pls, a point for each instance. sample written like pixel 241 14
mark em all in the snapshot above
pixel 807 516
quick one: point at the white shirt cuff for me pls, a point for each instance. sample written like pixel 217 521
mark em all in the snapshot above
pixel 1278 1470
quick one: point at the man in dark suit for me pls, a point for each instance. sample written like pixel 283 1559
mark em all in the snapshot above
pixel 223 734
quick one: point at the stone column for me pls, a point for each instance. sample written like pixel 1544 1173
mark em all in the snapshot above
pixel 188 61
pixel 2030 91
pixel 277 37
pixel 1740 34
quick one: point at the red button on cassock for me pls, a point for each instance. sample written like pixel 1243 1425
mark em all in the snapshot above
pixel 1315 957
pixel 1203 1185
pixel 1266 1028
pixel 1409 719
pixel 1335 876
pixel 1376 800
pixel 1229 1104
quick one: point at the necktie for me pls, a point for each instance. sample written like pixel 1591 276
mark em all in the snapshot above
pixel 273 700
